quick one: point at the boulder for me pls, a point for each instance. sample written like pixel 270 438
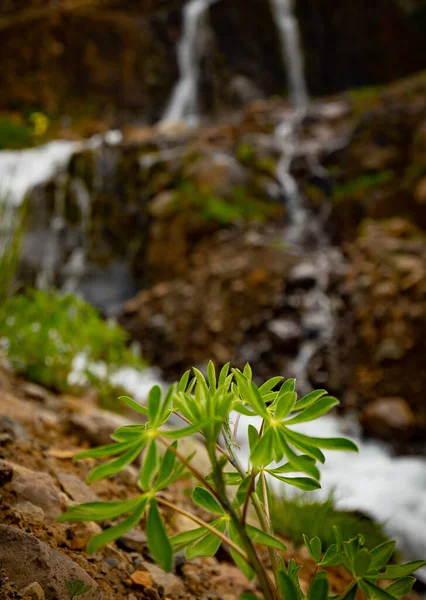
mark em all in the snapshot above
pixel 50 569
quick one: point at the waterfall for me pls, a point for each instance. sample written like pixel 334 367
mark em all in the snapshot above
pixel 183 105
pixel 291 50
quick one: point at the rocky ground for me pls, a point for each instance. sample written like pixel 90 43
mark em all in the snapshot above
pixel 39 434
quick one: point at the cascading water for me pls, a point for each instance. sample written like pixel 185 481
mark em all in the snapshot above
pixel 184 105
pixel 291 50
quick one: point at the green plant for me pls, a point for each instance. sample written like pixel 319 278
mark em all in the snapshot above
pixel 361 185
pixel 45 333
pixel 240 206
pixel 77 588
pixel 316 518
pixel 12 222
pixel 13 134
pixel 205 405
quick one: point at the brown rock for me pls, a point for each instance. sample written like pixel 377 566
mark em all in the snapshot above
pixel 49 568
pixel 142 578
pixel 29 512
pixel 78 534
pixel 40 490
pixel 6 473
pixel 167 582
pixel 76 489
pixel 34 591
pixel 387 417
pixel 133 541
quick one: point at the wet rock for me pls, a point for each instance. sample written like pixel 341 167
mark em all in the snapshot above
pixel 29 512
pixel 386 417
pixel 34 591
pixel 286 332
pixel 49 568
pixel 76 489
pixel 38 489
pixel 303 275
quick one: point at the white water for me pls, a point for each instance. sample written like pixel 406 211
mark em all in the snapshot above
pixel 184 105
pixel 291 50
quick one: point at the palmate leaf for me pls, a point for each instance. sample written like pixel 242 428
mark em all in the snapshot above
pixel 104 451
pixel 158 542
pixel 299 463
pixel 167 466
pixel 371 590
pixel 307 462
pixel 314 547
pixel 362 563
pixel 310 399
pixel 150 466
pixel 268 449
pixel 129 433
pixel 381 555
pixel 113 533
pixel 324 443
pixel 397 571
pixel 154 401
pixel 287 587
pixel 333 557
pixel 302 483
pixel 285 404
pixel 318 590
pixel 185 538
pixel 142 410
pixel 269 385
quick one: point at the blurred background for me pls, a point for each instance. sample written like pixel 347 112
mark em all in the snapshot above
pixel 235 180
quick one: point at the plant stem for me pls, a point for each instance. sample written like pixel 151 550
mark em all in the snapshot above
pixel 267 587
pixel 273 555
pixel 202 523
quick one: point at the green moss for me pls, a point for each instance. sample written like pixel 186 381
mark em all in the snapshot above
pixel 14 135
pixel 240 206
pixel 361 185
pixel 292 518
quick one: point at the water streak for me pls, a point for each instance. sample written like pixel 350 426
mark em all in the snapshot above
pixel 184 102
pixel 291 50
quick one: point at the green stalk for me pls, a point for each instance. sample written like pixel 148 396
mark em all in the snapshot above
pixel 267 587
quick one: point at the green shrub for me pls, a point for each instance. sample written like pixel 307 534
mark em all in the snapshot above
pixel 293 517
pixel 44 333
pixel 276 450
pixel 363 184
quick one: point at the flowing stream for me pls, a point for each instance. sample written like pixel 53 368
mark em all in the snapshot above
pixel 184 104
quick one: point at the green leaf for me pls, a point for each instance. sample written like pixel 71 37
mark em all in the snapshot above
pixel 241 408
pixel 104 451
pixel 308 467
pixel 204 499
pixel 114 466
pixel 185 431
pixel 241 494
pixel 326 443
pixel 261 537
pixel 299 463
pixel 182 385
pixel 333 557
pixel 316 410
pixel 288 386
pixel 318 590
pixel 224 373
pixel 267 449
pixel 310 399
pixel 362 562
pixel 303 483
pixel 250 394
pixel 158 542
pixel 285 404
pixel 304 445
pixel 397 571
pixel 350 593
pixel 269 385
pixel 253 436
pixel 381 555
pixel 113 533
pixel 149 467
pixel 142 410
pixel 167 465
pixel 371 590
pixel 187 537
pixel 211 375
pixel 129 433
pixel 208 545
pixel 99 511
pixel 247 372
pixel 154 400
pixel 287 587
pixel 401 587
pixel 314 547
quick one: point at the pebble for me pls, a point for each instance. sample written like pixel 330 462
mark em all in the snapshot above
pixel 40 490
pixel 34 591
pixel 29 512
pixel 76 489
